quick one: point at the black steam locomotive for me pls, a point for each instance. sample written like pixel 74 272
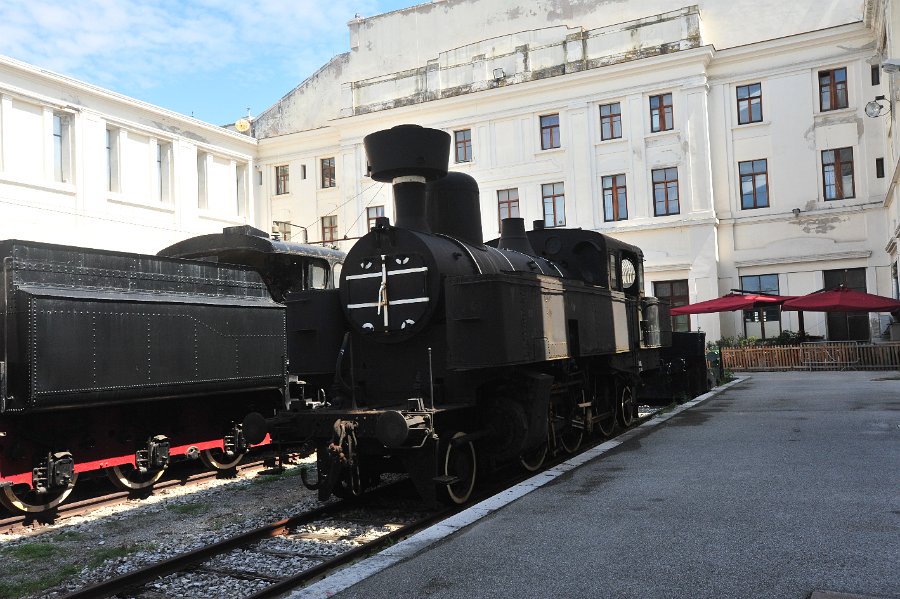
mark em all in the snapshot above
pixel 120 362
pixel 457 355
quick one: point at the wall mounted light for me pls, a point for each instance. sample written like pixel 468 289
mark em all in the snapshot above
pixel 890 65
pixel 878 107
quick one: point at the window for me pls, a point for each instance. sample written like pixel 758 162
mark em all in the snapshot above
pixel 665 191
pixel 282 228
pixel 508 203
pixel 749 103
pixel 610 121
pixel 62 145
pixel 661 112
pixel 372 213
pixel 837 173
pixel 754 184
pixel 164 171
pixel 879 168
pixel 549 131
pixel 765 322
pixel 328 172
pixel 303 172
pixel 202 188
pixel 113 178
pixel 282 179
pixel 329 228
pixel 676 293
pixel 847 326
pixel 832 89
pixel 876 74
pixel 463 145
pixel 554 197
pixel 615 205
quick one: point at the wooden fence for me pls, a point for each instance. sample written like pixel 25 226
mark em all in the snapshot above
pixel 814 356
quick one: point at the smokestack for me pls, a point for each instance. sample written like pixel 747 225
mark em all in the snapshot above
pixel 408 156
pixel 454 208
pixel 512 236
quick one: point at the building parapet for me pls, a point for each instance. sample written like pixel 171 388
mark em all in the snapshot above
pixel 522 57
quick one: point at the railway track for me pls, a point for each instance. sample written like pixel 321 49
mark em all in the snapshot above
pixel 291 553
pixel 283 555
pixel 32 523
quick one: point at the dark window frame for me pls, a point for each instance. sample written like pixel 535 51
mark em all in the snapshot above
pixel 328 173
pixel 463 141
pixel 663 112
pixel 665 185
pixel 505 199
pixel 550 135
pixel 329 227
pixel 371 216
pixel 834 93
pixel 682 322
pixel 762 284
pixel 751 177
pixel 750 100
pixel 282 179
pixel 847 326
pixel 834 167
pixel 615 194
pixel 611 122
pixel 551 198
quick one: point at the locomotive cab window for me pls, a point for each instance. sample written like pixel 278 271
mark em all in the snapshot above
pixel 613 273
pixel 318 278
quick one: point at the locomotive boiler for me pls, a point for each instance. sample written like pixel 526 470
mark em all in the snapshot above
pixel 122 362
pixel 457 356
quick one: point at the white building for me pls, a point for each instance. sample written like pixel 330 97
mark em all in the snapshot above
pixel 85 166
pixel 726 139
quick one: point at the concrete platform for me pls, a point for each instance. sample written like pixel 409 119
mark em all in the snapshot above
pixel 783 485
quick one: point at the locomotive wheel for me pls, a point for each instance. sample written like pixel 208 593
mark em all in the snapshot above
pixel 572 432
pixel 23 499
pixel 128 478
pixel 534 459
pixel 458 462
pixel 217 459
pixel 627 405
pixel 607 425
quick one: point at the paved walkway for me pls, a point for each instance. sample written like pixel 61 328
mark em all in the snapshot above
pixel 782 485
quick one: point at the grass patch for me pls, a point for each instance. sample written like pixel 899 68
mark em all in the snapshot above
pixel 187 509
pixel 15 589
pixel 69 535
pixel 107 553
pixel 31 551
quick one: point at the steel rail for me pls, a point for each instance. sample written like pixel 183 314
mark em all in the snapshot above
pixel 303 578
pixel 142 576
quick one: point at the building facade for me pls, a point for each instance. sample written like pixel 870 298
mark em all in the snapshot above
pixel 734 151
pixel 85 166
pixel 729 140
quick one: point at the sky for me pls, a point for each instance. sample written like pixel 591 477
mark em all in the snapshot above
pixel 210 59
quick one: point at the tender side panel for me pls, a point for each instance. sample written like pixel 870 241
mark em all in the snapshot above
pixel 83 349
pixel 86 326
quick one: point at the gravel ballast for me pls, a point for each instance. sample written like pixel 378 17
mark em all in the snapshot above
pixel 111 541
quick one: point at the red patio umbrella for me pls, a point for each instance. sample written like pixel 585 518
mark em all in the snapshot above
pixel 731 302
pixel 841 299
